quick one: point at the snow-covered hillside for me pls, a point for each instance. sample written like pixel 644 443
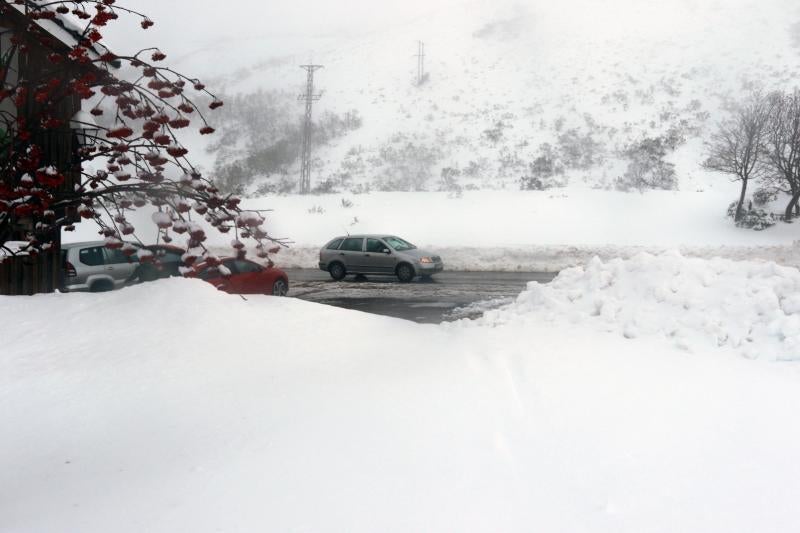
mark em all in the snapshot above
pixel 590 79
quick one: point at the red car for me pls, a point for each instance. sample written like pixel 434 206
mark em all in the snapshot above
pixel 241 276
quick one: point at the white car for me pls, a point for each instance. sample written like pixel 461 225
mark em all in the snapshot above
pixel 90 266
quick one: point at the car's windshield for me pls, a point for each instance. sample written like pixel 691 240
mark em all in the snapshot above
pixel 399 244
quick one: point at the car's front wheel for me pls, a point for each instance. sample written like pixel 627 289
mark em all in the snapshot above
pixel 405 273
pixel 337 271
pixel 280 288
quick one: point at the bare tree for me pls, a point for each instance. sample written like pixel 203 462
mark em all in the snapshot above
pixel 737 148
pixel 783 148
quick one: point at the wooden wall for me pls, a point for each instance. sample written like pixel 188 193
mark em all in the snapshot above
pixel 25 275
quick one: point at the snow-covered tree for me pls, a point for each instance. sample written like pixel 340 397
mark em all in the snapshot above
pixel 783 149
pixel 738 146
pixel 123 154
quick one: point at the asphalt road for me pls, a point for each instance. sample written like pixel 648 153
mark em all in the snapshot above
pixel 447 296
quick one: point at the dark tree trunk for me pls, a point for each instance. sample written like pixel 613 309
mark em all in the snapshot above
pixel 793 207
pixel 740 205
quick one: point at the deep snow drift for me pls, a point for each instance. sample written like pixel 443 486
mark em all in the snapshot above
pixel 173 407
pixel 697 304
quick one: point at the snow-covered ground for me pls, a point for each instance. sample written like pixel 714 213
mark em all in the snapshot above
pixel 173 407
pixel 514 230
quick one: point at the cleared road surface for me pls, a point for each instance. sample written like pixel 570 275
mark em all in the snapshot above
pixel 447 296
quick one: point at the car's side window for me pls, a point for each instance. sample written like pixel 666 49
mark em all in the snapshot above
pixel 334 244
pixel 91 256
pixel 230 264
pixel 209 273
pixel 376 246
pixel 352 245
pixel 244 267
pixel 214 272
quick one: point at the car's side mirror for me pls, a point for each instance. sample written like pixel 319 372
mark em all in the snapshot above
pixel 387 251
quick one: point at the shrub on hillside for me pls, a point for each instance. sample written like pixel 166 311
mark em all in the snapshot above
pixel 450 180
pixel 407 167
pixel 509 163
pixel 261 135
pixel 545 172
pixel 477 168
pixel 764 196
pixel 647 168
pixel 579 150
pixel 495 133
pixel 326 186
pixel 752 218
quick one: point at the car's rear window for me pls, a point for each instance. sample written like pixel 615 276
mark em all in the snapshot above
pixel 334 244
pixel 91 256
pixel 353 244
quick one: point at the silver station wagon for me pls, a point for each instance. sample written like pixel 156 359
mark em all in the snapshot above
pixel 90 266
pixel 377 254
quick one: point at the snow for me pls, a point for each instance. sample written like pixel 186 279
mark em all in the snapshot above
pixel 171 406
pixel 14 248
pixel 540 68
pixel 511 230
pixel 695 304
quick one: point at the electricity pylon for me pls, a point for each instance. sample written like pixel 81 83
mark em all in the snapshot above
pixel 309 98
pixel 420 62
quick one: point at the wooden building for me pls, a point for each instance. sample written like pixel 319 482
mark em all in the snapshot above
pixel 31 274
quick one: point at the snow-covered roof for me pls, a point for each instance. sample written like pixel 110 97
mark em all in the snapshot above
pixel 66 32
pixel 15 247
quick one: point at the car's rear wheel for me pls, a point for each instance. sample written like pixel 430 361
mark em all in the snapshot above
pixel 280 288
pixel 405 273
pixel 337 271
pixel 101 286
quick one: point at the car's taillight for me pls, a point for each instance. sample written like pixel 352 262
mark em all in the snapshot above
pixel 70 271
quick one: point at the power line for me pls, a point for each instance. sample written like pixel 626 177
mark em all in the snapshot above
pixel 309 98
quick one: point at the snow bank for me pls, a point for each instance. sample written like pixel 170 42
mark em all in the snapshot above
pixel 553 258
pixel 751 307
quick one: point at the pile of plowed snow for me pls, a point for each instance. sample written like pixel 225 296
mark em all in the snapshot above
pixel 751 307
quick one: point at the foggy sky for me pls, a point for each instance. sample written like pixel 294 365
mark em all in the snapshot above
pixel 180 23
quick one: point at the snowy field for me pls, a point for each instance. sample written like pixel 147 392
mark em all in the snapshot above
pixel 515 230
pixel 615 400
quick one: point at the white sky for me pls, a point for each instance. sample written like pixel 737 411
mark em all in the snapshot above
pixel 180 22
pixel 210 38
